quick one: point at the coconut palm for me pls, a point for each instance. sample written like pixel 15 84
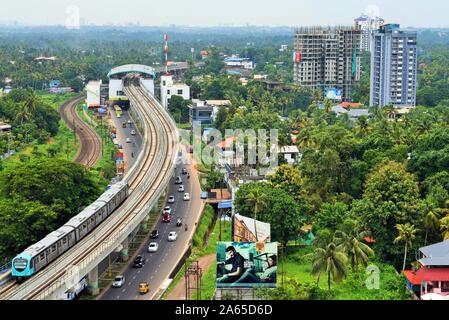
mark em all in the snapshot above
pixel 257 198
pixel 389 111
pixel 330 260
pixel 362 128
pixel 431 222
pixel 317 96
pixel 444 227
pixel 357 251
pixel 407 233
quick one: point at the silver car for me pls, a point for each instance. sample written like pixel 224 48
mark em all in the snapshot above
pixel 119 281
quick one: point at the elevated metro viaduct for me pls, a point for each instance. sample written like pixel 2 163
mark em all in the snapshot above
pixel 116 94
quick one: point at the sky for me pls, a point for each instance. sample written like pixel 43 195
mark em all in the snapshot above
pixel 203 13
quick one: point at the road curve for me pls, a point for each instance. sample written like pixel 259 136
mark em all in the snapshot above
pixel 90 149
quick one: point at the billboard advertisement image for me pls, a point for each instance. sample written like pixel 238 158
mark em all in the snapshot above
pixel 247 264
pixel 334 94
pixel 250 230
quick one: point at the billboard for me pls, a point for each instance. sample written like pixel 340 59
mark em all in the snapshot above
pixel 247 264
pixel 334 94
pixel 54 83
pixel 297 56
pixel 250 230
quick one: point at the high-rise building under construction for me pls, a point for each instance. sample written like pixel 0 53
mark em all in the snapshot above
pixel 328 58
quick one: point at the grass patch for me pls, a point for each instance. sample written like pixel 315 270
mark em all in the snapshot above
pixel 62 146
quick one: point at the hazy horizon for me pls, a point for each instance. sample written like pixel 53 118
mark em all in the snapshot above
pixel 202 13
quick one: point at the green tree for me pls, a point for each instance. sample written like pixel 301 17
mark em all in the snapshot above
pixel 350 241
pixel 330 260
pixel 391 197
pixel 407 233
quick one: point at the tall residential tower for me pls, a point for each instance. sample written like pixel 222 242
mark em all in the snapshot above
pixel 328 58
pixel 394 65
pixel 368 25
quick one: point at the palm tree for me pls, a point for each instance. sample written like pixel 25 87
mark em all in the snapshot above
pixel 32 101
pixel 431 222
pixel 328 105
pixel 330 260
pixel 257 198
pixel 389 110
pixel 317 96
pixel 357 251
pixel 305 139
pixel 362 128
pixel 23 114
pixel 407 233
pixel 444 227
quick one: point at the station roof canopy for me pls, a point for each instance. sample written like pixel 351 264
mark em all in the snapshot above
pixel 129 68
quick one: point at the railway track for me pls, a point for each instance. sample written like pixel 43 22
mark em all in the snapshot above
pixel 147 180
pixel 90 150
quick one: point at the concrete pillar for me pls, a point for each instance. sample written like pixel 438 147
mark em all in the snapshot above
pixel 144 224
pixel 92 280
pixel 124 252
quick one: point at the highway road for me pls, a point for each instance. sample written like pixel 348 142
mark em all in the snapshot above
pixel 123 133
pixel 158 265
pixel 128 148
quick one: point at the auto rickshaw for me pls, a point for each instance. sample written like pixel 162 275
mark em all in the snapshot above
pixel 144 287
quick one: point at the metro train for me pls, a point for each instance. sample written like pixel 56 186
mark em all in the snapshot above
pixel 42 253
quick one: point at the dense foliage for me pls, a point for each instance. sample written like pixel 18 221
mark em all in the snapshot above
pixel 38 196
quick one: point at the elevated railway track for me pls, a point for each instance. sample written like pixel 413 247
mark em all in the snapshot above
pixel 147 179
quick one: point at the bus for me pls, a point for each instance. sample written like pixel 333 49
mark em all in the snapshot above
pixel 118 111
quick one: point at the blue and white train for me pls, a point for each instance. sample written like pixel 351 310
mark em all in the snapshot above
pixel 42 253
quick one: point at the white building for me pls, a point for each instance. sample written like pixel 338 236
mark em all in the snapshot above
pixel 93 94
pixel 117 74
pixel 237 62
pixel 368 25
pixel 291 154
pixel 169 89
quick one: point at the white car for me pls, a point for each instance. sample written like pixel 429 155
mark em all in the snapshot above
pixel 153 247
pixel 171 199
pixel 172 236
pixel 133 132
pixel 128 140
pixel 167 210
pixel 186 196
pixel 181 188
pixel 119 281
